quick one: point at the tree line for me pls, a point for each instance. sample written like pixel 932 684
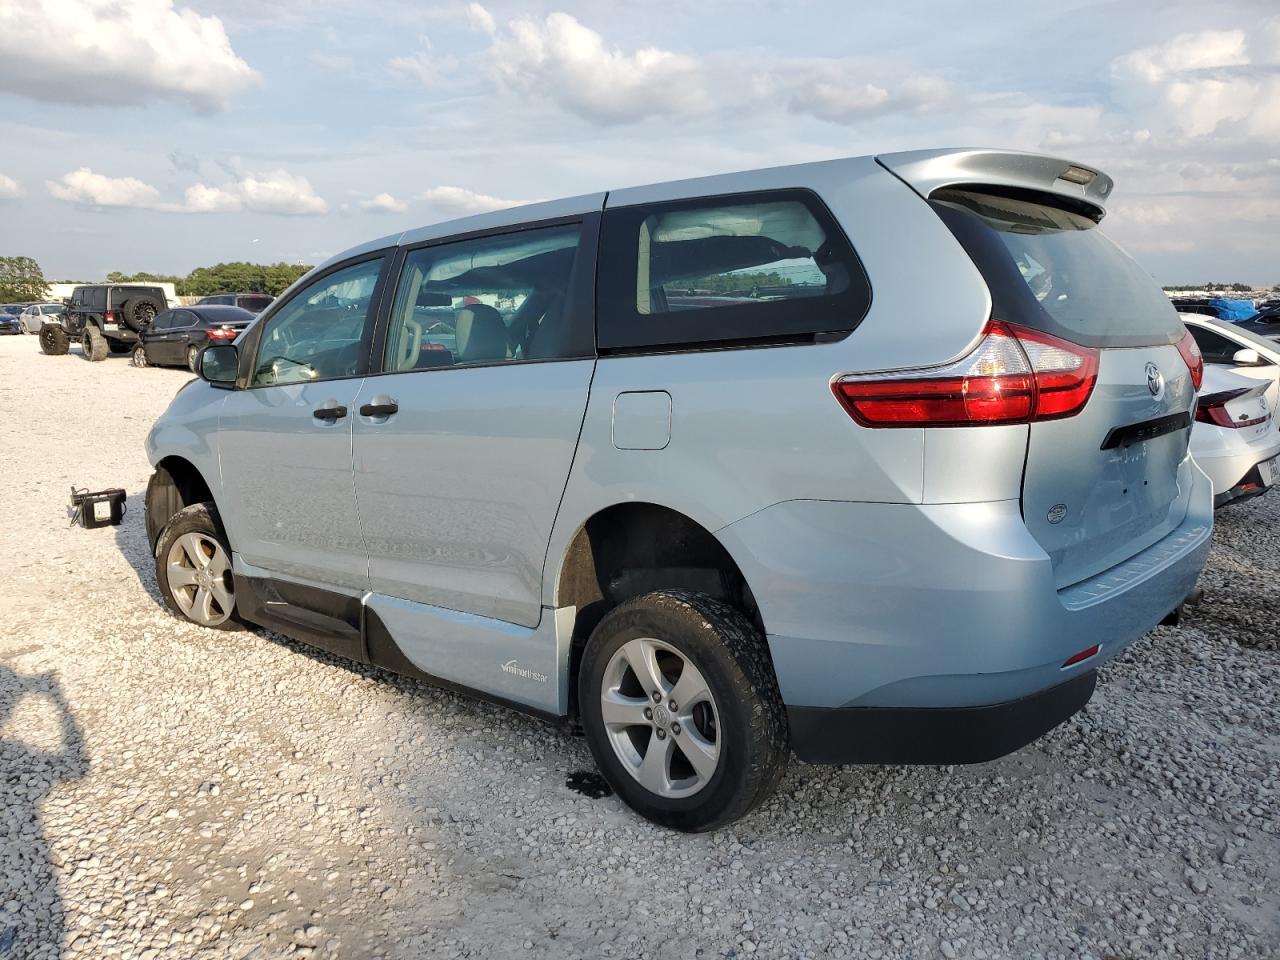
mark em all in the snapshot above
pixel 21 279
pixel 1209 287
pixel 237 277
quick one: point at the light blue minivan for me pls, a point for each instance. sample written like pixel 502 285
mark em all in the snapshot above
pixel 872 460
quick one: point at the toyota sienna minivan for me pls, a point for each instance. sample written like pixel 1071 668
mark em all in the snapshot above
pixel 873 460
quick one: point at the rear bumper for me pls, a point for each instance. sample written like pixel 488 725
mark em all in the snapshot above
pixel 1232 465
pixel 1251 485
pixel 934 734
pixel 943 606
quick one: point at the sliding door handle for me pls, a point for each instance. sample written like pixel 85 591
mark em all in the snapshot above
pixel 329 413
pixel 382 409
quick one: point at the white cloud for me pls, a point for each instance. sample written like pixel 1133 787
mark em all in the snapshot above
pixel 1206 83
pixel 107 52
pixel 383 203
pixel 334 62
pixel 839 92
pixel 481 19
pixel 459 201
pixel 9 188
pixel 274 192
pixel 86 187
pixel 419 66
pixel 560 59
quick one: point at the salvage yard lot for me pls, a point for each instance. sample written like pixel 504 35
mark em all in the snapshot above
pixel 167 791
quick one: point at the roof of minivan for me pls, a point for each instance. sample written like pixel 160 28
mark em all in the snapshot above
pixel 923 170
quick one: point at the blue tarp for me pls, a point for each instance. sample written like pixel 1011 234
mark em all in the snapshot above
pixel 1233 311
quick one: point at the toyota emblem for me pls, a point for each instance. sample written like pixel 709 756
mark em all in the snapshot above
pixel 1155 380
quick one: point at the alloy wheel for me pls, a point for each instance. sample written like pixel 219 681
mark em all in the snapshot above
pixel 199 575
pixel 661 718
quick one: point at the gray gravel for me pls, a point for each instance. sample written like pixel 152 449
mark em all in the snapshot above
pixel 172 792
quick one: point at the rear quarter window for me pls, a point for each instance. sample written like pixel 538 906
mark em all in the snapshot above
pixel 1052 269
pixel 723 271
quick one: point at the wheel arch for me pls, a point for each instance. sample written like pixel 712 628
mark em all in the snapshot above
pixel 632 548
pixel 176 483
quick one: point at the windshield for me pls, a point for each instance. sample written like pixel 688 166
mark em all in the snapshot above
pixel 1053 269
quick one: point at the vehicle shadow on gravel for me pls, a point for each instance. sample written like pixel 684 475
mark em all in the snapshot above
pixel 131 538
pixel 28 774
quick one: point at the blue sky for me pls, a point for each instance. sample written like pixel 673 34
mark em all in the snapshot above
pixel 149 135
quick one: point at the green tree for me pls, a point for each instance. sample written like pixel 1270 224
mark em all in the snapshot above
pixel 238 277
pixel 21 279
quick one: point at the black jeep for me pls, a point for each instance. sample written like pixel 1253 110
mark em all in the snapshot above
pixel 104 317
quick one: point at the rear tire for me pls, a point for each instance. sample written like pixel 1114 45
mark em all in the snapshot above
pixel 193 569
pixel 722 752
pixel 54 340
pixel 139 356
pixel 193 359
pixel 93 345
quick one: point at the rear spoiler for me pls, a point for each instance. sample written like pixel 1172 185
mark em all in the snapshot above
pixel 927 171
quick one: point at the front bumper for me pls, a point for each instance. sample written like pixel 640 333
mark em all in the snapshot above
pixel 934 734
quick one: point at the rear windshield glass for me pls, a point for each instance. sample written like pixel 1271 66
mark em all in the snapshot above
pixel 1053 270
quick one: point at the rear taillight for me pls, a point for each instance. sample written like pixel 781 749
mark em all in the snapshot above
pixel 1213 409
pixel 1190 351
pixel 109 317
pixel 1014 375
pixel 222 333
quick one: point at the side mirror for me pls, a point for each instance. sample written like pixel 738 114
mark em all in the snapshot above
pixel 220 364
pixel 1246 357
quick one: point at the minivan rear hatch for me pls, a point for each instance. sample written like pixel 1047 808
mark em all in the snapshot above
pixel 1106 483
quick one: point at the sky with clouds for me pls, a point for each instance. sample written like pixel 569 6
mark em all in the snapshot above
pixel 154 135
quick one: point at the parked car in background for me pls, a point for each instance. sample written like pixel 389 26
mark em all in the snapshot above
pixel 1265 323
pixel 1234 347
pixel 1235 439
pixel 104 318
pixel 35 315
pixel 253 302
pixel 1224 308
pixel 714 532
pixel 176 337
pixel 9 317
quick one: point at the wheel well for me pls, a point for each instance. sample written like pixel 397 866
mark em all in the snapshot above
pixel 175 484
pixel 631 549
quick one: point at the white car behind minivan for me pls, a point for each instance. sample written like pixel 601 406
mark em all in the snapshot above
pixel 1236 438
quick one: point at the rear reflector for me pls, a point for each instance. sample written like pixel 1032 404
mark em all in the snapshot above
pixel 1014 375
pixel 1213 409
pixel 1190 351
pixel 1083 655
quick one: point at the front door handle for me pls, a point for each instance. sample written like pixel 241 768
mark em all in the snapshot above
pixel 336 412
pixel 384 408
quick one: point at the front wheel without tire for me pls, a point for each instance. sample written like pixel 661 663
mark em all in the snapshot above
pixel 681 709
pixel 54 340
pixel 93 345
pixel 193 568
pixel 139 356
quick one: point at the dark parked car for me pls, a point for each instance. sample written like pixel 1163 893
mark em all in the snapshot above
pixel 1266 323
pixel 104 318
pixel 176 337
pixel 9 313
pixel 253 302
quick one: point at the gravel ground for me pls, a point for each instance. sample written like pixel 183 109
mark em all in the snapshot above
pixel 172 792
